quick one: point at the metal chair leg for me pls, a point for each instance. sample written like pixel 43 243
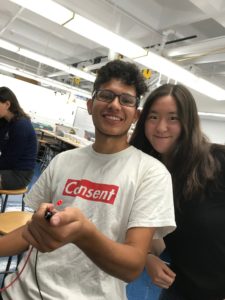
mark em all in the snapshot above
pixel 23 203
pixel 6 270
pixel 4 203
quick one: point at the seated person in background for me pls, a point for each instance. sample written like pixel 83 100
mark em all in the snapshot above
pixel 169 129
pixel 18 143
pixel 115 198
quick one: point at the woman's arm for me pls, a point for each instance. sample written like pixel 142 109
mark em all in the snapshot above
pixel 157 269
pixel 159 272
pixel 157 247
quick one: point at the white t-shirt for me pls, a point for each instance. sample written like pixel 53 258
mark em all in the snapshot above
pixel 116 192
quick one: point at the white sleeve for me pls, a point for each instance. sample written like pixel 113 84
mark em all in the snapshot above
pixel 41 190
pixel 153 205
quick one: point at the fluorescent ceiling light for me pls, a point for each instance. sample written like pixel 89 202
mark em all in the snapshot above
pixel 81 74
pixel 173 71
pixel 215 115
pixel 60 15
pixel 48 9
pixel 104 37
pixel 197 48
pixel 45 81
pixel 47 61
pixel 116 43
pixel 43 59
pixel 94 66
pixel 9 46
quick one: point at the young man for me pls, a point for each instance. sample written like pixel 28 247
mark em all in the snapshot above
pixel 114 198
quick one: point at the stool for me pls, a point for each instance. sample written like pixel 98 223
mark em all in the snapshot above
pixel 10 221
pixel 12 192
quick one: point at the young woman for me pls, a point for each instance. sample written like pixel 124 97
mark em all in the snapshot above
pixel 18 143
pixel 169 129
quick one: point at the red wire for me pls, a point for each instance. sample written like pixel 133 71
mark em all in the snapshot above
pixel 59 202
pixel 18 275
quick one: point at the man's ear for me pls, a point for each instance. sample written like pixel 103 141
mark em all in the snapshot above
pixel 89 106
pixel 137 116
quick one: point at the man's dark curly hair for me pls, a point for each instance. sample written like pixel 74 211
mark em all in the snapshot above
pixel 127 72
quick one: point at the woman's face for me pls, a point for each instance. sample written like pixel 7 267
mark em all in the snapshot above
pixel 162 125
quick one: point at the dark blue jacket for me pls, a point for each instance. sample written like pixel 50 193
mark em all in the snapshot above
pixel 18 145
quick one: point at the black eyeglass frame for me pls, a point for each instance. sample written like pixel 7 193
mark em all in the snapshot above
pixel 116 95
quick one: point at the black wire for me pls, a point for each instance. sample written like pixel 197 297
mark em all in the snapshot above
pixel 36 278
pixel 173 41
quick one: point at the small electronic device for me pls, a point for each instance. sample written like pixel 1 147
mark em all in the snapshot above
pixel 49 214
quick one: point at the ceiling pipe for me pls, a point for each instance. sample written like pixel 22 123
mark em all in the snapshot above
pixel 165 33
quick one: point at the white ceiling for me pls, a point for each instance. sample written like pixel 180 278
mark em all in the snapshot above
pixel 189 32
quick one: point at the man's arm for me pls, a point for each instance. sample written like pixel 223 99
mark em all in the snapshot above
pixel 124 261
pixel 13 243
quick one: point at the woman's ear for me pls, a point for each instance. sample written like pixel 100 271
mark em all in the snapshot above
pixel 8 104
pixel 89 106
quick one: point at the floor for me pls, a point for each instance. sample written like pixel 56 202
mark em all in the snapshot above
pixel 140 289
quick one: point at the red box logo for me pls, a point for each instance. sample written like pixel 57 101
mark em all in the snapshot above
pixel 91 191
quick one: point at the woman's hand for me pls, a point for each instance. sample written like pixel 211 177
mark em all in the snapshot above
pixel 159 272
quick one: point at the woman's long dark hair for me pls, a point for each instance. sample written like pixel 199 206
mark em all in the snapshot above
pixel 191 164
pixel 7 95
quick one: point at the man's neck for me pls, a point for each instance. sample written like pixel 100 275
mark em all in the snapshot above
pixel 110 145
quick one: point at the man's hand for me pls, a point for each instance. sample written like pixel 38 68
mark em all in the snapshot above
pixel 122 260
pixel 67 226
pixel 159 272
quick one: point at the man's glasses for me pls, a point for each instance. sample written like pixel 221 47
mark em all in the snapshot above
pixel 124 99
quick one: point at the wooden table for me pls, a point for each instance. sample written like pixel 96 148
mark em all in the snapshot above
pixel 60 138
pixel 12 220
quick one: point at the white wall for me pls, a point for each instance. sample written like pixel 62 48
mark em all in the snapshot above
pixel 214 129
pixel 42 104
pixel 46 106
